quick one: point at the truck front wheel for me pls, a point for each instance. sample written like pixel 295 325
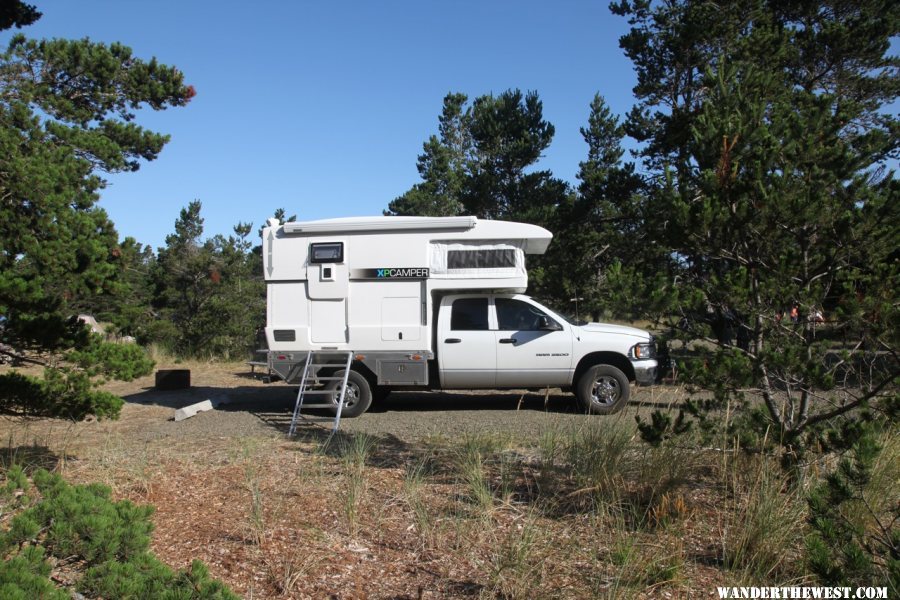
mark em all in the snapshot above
pixel 603 390
pixel 358 396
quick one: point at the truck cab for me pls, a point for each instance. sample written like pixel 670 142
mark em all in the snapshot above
pixel 502 340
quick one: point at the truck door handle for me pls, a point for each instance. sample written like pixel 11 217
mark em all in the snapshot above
pixel 508 341
pixel 452 341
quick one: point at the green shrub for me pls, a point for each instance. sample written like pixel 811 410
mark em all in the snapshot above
pixel 82 521
pixel 144 576
pixel 853 515
pixel 124 362
pixel 62 393
pixel 27 576
pixel 15 481
pixel 72 394
pixel 71 391
pixel 110 539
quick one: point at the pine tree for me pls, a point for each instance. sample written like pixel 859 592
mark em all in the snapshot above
pixel 209 293
pixel 853 517
pixel 66 116
pixel 480 163
pixel 601 228
pixel 442 166
pixel 763 129
pixel 15 13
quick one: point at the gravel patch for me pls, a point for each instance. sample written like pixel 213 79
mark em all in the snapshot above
pixel 248 408
pixel 407 417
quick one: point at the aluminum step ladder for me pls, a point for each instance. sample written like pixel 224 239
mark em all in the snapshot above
pixel 310 381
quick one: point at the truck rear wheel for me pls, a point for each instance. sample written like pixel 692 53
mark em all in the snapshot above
pixel 603 390
pixel 358 396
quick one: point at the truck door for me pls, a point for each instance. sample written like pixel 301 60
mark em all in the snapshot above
pixel 533 348
pixel 466 352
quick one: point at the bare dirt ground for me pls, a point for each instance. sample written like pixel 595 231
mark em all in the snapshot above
pixel 384 510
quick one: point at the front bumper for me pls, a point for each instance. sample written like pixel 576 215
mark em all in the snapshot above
pixel 644 371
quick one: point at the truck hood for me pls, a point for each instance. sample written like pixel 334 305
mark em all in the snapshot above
pixel 615 329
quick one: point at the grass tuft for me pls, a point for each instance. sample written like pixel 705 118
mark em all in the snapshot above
pixel 764 521
pixel 354 452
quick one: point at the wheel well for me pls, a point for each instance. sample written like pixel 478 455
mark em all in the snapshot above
pixel 603 358
pixel 366 372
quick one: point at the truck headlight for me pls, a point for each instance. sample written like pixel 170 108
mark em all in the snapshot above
pixel 644 351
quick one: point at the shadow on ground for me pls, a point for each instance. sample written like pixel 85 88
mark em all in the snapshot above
pixel 278 398
pixel 30 457
pixel 245 409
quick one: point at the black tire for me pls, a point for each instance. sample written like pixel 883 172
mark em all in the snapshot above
pixel 603 390
pixel 358 397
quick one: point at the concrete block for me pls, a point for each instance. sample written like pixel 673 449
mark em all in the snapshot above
pixel 189 411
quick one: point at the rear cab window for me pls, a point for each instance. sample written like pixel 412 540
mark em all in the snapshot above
pixel 469 314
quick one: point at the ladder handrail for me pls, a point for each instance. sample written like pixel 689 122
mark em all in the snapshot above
pixel 340 408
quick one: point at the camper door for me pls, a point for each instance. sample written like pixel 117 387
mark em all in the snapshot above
pixel 327 287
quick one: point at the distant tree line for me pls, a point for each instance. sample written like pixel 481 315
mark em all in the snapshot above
pixel 194 297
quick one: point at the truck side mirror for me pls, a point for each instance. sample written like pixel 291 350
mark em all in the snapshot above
pixel 545 324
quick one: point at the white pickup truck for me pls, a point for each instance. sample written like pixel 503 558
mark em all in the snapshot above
pixel 417 302
pixel 511 341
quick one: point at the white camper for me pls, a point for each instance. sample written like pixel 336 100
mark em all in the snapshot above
pixel 432 301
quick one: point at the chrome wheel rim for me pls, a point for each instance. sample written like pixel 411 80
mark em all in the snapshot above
pixel 351 395
pixel 606 390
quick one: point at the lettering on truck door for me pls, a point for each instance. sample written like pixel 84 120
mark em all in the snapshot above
pixel 533 348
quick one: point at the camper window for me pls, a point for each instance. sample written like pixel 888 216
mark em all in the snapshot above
pixel 481 259
pixel 469 314
pixel 331 252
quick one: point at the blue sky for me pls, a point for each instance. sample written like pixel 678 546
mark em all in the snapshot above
pixel 322 107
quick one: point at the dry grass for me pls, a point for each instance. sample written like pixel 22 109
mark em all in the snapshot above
pixel 764 520
pixel 580 510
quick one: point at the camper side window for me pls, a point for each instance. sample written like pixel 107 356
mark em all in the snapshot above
pixel 481 259
pixel 332 252
pixel 469 314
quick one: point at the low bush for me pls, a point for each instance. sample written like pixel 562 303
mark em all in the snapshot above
pixel 144 576
pixel 81 525
pixel 71 391
pixel 27 575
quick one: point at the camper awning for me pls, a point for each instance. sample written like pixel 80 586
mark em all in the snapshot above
pixel 362 224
